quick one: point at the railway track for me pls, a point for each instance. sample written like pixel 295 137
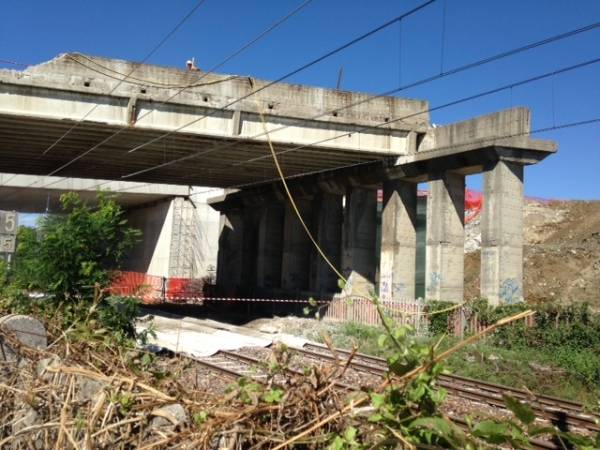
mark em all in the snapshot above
pixel 567 412
pixel 237 365
pixel 561 412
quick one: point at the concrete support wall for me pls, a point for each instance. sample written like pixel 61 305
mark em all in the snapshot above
pixel 445 238
pixel 230 263
pixel 178 239
pixel 151 255
pixel 270 246
pixel 360 229
pixel 327 220
pixel 502 234
pixel 398 241
pixel 296 248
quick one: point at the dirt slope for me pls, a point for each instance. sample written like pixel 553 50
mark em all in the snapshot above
pixel 561 254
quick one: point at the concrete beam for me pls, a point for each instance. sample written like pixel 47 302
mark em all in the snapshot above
pixel 502 234
pixel 469 146
pixel 398 241
pixel 34 194
pixel 445 241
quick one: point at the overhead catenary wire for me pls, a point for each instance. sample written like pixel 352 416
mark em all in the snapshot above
pixel 479 95
pixel 148 56
pixel 484 141
pixel 212 69
pixel 237 52
pixel 266 86
pixel 231 56
pixel 465 67
pixel 423 81
pixel 550 74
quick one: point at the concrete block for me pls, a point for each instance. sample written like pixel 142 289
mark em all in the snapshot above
pixel 29 331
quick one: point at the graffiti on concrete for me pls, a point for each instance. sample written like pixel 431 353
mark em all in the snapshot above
pixel 510 291
pixel 385 292
pixel 435 278
pixel 398 290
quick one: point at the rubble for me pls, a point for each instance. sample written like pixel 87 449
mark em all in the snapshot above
pixel 561 254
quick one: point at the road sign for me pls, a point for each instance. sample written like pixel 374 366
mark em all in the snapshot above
pixel 8 222
pixel 8 231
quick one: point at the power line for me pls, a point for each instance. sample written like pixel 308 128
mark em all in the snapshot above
pixel 212 69
pixel 141 82
pixel 148 56
pixel 278 80
pixel 595 120
pixel 439 107
pixel 420 82
pixel 14 63
pixel 237 52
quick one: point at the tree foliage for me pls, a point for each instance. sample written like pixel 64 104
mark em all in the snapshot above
pixel 71 253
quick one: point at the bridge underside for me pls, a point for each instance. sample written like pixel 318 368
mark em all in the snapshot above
pixel 207 161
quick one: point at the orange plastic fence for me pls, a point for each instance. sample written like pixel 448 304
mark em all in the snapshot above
pixel 151 288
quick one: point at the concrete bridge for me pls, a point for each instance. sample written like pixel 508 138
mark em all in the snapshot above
pixel 338 148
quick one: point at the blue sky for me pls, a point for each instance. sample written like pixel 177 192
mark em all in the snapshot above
pixel 430 41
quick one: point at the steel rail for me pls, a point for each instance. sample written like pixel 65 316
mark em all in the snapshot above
pixel 253 362
pixel 555 409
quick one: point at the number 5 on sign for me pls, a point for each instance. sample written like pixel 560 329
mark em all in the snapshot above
pixel 8 222
pixel 7 244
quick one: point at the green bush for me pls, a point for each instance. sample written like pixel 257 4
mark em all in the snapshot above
pixel 72 253
pixel 438 323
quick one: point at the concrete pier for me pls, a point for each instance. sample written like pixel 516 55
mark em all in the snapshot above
pixel 178 239
pixel 502 233
pixel 444 272
pixel 296 248
pixel 398 241
pixel 270 246
pixel 327 220
pixel 360 228
pixel 230 264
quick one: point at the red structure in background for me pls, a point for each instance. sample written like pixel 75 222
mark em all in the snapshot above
pixel 473 202
pixel 154 289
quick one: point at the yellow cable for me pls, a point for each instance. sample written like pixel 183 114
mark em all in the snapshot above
pixel 293 203
pixel 307 230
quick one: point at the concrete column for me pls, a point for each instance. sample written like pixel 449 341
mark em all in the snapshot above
pixel 230 263
pixel 270 245
pixel 502 234
pixel 296 248
pixel 360 228
pixel 327 220
pixel 445 242
pixel 398 241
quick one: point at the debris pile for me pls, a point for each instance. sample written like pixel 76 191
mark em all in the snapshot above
pixel 561 254
pixel 83 394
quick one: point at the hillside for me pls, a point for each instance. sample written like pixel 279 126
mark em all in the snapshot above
pixel 561 253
